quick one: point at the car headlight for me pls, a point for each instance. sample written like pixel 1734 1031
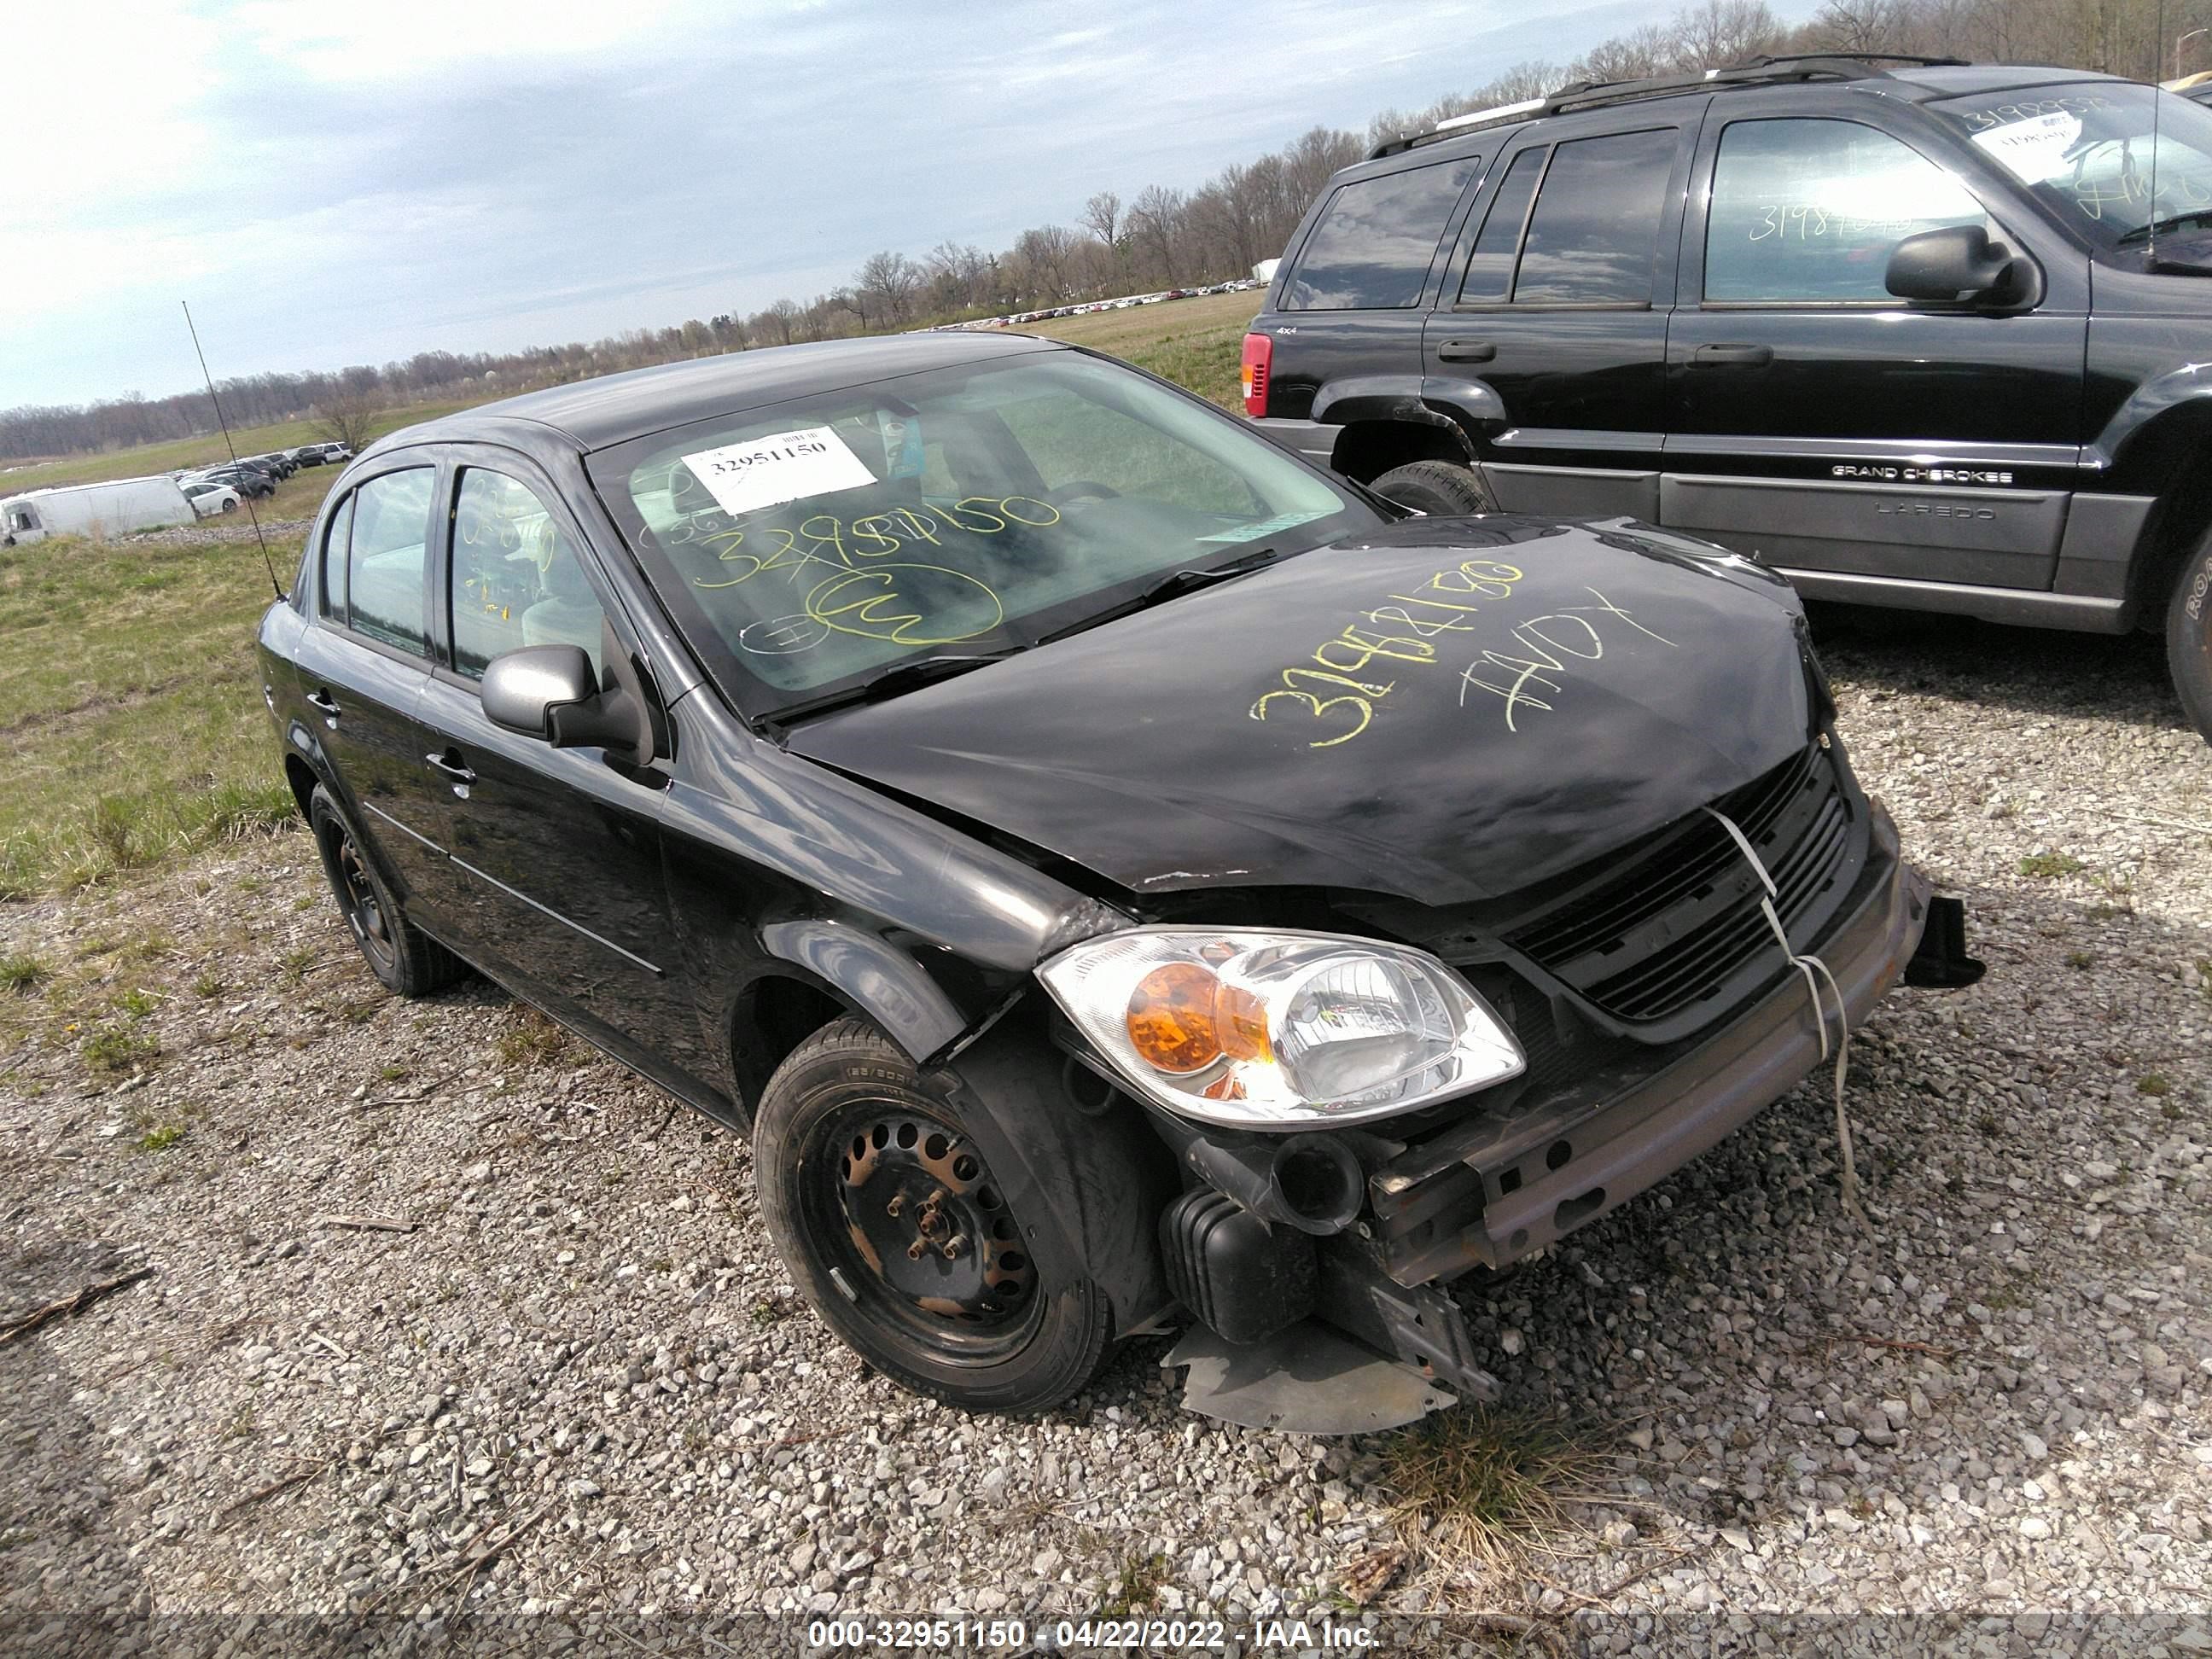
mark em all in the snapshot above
pixel 1266 1030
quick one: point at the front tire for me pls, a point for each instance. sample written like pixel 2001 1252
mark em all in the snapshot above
pixel 406 960
pixel 2189 638
pixel 890 1219
pixel 1436 488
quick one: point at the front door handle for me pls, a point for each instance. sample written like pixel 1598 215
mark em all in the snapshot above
pixel 451 764
pixel 1752 356
pixel 1468 352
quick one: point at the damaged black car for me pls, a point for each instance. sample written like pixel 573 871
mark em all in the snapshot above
pixel 1121 877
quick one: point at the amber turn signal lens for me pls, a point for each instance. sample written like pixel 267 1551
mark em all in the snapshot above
pixel 1170 1018
pixel 1241 1022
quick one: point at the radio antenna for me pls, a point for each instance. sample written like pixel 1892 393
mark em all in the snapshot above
pixel 271 563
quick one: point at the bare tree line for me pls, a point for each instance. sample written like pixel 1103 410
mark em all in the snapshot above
pixel 1160 237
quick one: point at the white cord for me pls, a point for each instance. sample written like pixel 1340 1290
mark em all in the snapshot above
pixel 1809 965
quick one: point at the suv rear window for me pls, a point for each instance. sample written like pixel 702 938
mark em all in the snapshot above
pixel 1376 240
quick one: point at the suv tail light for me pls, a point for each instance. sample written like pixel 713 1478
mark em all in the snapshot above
pixel 1258 354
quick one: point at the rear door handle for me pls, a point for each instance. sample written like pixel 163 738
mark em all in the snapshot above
pixel 324 701
pixel 451 764
pixel 1468 352
pixel 1753 357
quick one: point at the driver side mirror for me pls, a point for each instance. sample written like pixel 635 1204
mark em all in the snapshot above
pixel 1960 263
pixel 550 692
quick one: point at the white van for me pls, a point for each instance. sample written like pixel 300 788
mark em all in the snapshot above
pixel 114 508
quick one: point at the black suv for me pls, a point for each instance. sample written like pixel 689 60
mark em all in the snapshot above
pixel 1934 337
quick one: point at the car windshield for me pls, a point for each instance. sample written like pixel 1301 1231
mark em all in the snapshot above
pixel 2085 148
pixel 808 546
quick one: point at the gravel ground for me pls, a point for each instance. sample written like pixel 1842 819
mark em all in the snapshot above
pixel 1991 1401
pixel 231 527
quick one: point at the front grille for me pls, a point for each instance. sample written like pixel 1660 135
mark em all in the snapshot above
pixel 1675 924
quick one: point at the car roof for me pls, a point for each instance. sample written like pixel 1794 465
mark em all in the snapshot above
pixel 613 409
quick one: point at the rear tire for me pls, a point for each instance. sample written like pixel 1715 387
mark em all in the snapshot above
pixel 406 960
pixel 1438 488
pixel 866 1181
pixel 2189 637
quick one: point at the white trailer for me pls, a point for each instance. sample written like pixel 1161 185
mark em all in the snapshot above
pixel 114 508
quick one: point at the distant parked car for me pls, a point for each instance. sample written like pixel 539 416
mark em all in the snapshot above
pixel 210 499
pixel 247 481
pixel 322 455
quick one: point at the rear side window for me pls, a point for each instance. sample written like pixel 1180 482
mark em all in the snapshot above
pixel 1808 212
pixel 1490 267
pixel 385 559
pixel 1372 248
pixel 334 560
pixel 1596 224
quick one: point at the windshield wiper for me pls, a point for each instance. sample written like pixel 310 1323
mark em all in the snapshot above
pixel 1174 585
pixel 2172 221
pixel 899 677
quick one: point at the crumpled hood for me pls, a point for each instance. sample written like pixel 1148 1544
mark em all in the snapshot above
pixel 1446 711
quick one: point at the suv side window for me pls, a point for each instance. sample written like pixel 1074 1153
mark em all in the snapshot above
pixel 386 557
pixel 1490 268
pixel 1595 228
pixel 1374 243
pixel 334 538
pixel 517 578
pixel 1806 211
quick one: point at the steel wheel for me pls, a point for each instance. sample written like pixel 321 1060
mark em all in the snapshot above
pixel 905 1241
pixel 930 1246
pixel 401 956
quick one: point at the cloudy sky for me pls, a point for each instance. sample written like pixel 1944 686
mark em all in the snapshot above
pixel 339 183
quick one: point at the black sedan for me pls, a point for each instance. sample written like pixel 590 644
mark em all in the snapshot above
pixel 1120 876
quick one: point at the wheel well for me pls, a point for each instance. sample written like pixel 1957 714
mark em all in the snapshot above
pixel 773 1017
pixel 2164 461
pixel 301 777
pixel 1368 449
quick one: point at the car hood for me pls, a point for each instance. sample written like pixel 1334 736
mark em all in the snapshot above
pixel 1510 698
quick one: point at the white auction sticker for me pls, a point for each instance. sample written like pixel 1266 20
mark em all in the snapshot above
pixel 2034 150
pixel 783 466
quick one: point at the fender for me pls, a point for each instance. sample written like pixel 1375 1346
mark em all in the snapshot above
pixel 875 980
pixel 1474 406
pixel 1095 1178
pixel 2191 383
pixel 1383 397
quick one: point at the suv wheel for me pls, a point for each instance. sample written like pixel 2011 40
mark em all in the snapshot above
pixel 1436 488
pixel 407 960
pixel 2189 637
pixel 891 1222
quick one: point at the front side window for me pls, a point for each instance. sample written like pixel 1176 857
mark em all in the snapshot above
pixel 517 578
pixel 386 558
pixel 807 546
pixel 1810 211
pixel 1592 238
pixel 1372 247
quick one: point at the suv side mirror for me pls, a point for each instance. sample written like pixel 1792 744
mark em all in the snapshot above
pixel 1958 263
pixel 550 692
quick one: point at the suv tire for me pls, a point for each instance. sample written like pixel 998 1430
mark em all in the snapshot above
pixel 407 960
pixel 1436 488
pixel 2189 637
pixel 848 1149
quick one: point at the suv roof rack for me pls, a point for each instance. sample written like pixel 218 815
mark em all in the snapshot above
pixel 1592 94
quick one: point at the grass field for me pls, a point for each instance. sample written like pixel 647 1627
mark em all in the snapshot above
pixel 1194 342
pixel 148 458
pixel 131 726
